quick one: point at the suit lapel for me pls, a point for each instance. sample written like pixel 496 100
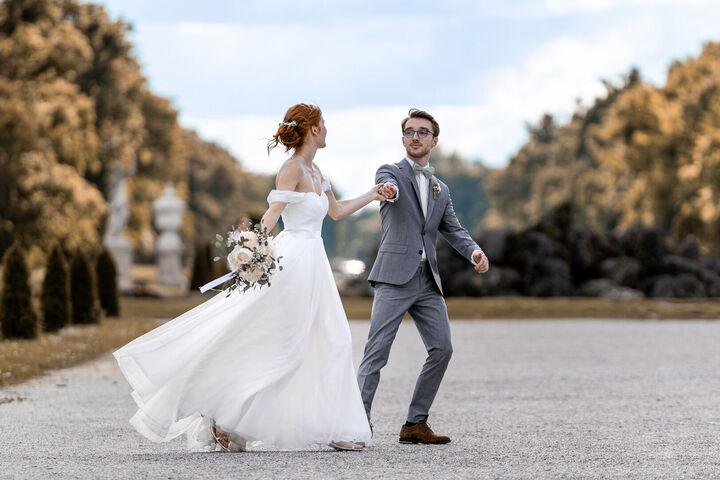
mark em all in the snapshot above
pixel 430 197
pixel 407 170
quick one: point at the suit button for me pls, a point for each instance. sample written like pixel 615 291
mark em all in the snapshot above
pixel 420 252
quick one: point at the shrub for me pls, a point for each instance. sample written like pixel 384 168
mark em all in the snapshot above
pixel 106 275
pixel 17 315
pixel 202 271
pixel 83 292
pixel 56 292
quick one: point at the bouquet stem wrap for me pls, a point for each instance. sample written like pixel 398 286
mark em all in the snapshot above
pixel 217 281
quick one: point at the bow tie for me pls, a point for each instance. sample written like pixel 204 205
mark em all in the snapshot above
pixel 427 171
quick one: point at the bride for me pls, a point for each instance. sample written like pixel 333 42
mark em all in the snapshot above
pixel 269 368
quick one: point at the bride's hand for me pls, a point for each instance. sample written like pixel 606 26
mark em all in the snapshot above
pixel 377 189
pixel 388 190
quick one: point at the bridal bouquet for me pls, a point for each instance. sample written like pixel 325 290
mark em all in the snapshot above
pixel 250 259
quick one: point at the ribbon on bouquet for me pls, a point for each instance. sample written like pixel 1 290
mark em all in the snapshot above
pixel 217 281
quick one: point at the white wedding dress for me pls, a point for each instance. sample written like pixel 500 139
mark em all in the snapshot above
pixel 271 366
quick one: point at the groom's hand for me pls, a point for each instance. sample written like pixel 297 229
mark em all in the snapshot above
pixel 481 261
pixel 388 190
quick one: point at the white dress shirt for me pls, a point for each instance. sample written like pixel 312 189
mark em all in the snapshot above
pixel 422 183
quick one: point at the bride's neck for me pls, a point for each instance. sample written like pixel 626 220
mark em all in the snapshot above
pixel 307 154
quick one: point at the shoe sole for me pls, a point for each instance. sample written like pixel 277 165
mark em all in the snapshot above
pixel 340 448
pixel 415 441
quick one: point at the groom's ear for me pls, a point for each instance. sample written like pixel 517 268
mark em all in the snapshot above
pixel 435 140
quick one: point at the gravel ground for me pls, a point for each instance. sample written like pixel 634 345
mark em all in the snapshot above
pixel 521 399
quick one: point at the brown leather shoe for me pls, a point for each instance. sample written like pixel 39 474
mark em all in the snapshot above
pixel 421 433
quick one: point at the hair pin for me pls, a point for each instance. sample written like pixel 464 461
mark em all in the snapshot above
pixel 289 124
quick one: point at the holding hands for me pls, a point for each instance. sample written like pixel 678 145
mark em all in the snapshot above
pixel 386 191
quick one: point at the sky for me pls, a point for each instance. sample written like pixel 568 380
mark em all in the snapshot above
pixel 483 68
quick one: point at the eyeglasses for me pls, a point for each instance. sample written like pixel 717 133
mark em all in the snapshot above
pixel 422 133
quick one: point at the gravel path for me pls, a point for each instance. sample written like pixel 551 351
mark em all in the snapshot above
pixel 521 399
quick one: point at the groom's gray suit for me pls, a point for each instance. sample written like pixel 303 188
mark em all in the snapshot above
pixel 405 283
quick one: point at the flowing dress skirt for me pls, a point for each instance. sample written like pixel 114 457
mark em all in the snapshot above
pixel 272 366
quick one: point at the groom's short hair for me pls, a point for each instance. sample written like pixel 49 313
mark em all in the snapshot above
pixel 415 113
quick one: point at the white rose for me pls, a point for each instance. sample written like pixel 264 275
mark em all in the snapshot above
pixel 251 239
pixel 239 256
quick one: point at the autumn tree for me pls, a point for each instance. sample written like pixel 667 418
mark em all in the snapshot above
pixel 73 104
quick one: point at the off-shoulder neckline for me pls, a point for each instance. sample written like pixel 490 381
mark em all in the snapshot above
pixel 293 191
pixel 322 189
pixel 319 195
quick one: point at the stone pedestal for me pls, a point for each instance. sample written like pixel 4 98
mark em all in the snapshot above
pixel 168 219
pixel 122 251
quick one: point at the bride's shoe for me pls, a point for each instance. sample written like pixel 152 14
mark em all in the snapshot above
pixel 220 437
pixel 346 446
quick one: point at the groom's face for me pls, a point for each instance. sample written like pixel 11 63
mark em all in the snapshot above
pixel 415 146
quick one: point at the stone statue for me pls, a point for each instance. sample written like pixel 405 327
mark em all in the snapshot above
pixel 119 212
pixel 115 240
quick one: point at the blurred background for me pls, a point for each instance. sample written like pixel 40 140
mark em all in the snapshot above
pixel 580 139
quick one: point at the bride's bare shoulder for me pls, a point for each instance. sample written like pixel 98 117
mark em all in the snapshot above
pixel 289 174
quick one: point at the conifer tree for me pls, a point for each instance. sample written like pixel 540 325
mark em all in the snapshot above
pixel 17 317
pixel 200 272
pixel 106 274
pixel 83 291
pixel 56 292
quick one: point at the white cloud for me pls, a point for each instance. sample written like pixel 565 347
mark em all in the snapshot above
pixel 263 66
pixel 578 6
pixel 490 127
pixel 233 82
pixel 562 70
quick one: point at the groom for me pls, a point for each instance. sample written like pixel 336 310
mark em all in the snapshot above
pixel 405 273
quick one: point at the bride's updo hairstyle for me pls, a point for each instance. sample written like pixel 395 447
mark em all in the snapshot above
pixel 297 122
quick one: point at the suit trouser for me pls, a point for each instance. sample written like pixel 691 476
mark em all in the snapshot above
pixel 421 298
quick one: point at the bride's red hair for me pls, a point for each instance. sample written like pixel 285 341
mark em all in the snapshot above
pixel 292 136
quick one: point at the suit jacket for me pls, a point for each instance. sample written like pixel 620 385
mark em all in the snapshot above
pixel 405 231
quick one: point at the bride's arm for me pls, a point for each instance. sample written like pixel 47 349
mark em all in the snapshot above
pixel 287 179
pixel 338 209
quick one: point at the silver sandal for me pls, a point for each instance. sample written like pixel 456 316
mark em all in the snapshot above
pixel 218 440
pixel 346 446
